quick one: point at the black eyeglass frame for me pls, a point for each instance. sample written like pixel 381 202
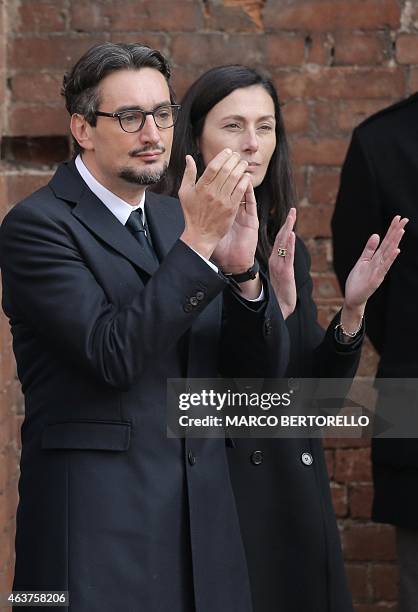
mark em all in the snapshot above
pixel 144 114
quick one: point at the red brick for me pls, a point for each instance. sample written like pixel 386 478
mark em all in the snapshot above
pixel 358 581
pixel 320 252
pixel 320 152
pixel 5 549
pixel 296 117
pixel 290 84
pixel 37 87
pixel 18 420
pixel 299 179
pixel 407 49
pixel 325 314
pixel 368 542
pixel 319 48
pixel 7 364
pixel 326 16
pixel 315 221
pixel 360 496
pixel 38 120
pixel 4 511
pixel 61 52
pixel 137 15
pixel 339 499
pixel 214 48
pixel 348 82
pixel 359 48
pixel 350 113
pixel 323 117
pixel 4 469
pixel 325 287
pixel 6 580
pixel 23 184
pixel 346 443
pixel 233 15
pixel 8 505
pixel 323 186
pixel 283 50
pixel 182 79
pixel 3 200
pixel 155 40
pixel 384 581
pixel 413 80
pixel 6 430
pixel 2 118
pixel 40 16
pixel 369 360
pixel 352 465
pixel 41 150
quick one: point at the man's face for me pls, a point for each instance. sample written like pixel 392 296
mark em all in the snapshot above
pixel 122 161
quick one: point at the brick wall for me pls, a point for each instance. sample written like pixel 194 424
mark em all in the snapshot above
pixel 334 62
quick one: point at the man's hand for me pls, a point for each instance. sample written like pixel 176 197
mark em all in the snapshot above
pixel 210 205
pixel 236 251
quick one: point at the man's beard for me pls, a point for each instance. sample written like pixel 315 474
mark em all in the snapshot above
pixel 143 177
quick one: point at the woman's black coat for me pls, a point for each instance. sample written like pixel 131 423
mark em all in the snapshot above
pixel 286 515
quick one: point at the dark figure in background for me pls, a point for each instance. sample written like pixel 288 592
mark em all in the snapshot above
pixel 106 303
pixel 281 486
pixel 379 178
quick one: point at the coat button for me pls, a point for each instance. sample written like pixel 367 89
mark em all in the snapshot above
pixel 187 308
pixel 257 457
pixel 306 458
pixel 200 295
pixel 191 458
pixel 193 300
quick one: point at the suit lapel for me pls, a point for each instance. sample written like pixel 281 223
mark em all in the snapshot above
pixel 163 216
pixel 165 221
pixel 101 222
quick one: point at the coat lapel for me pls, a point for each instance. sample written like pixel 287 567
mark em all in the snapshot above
pixel 163 215
pixel 165 221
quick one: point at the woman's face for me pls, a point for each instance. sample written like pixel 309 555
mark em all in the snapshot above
pixel 245 122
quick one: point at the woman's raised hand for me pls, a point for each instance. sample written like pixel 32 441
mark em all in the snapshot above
pixel 373 265
pixel 282 274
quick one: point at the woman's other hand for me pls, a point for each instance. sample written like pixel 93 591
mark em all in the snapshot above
pixel 281 270
pixel 370 271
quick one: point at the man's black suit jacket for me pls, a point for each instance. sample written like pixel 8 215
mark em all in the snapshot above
pixel 378 181
pixel 110 508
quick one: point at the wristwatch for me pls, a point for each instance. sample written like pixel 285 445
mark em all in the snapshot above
pixel 250 274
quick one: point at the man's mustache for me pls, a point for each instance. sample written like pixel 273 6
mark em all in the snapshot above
pixel 145 149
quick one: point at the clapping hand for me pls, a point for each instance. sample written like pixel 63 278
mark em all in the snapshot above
pixel 281 270
pixel 235 252
pixel 370 271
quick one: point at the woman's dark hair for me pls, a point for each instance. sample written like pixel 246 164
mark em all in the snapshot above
pixel 275 195
pixel 80 86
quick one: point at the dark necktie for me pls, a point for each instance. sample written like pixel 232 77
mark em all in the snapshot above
pixel 136 226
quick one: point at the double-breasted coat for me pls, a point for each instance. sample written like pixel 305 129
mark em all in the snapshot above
pixel 282 486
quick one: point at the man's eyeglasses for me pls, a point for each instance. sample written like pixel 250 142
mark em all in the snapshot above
pixel 133 120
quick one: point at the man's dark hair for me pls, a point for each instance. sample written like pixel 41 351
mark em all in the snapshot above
pixel 276 194
pixel 80 85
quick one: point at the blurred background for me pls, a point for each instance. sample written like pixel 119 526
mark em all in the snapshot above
pixel 334 63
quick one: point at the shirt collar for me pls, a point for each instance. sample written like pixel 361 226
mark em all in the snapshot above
pixel 114 203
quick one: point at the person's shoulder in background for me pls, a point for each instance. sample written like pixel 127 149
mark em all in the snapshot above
pixel 393 122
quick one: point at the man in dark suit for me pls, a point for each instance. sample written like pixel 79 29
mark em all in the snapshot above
pixel 105 304
pixel 380 179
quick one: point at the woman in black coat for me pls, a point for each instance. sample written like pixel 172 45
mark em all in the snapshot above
pixel 281 485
